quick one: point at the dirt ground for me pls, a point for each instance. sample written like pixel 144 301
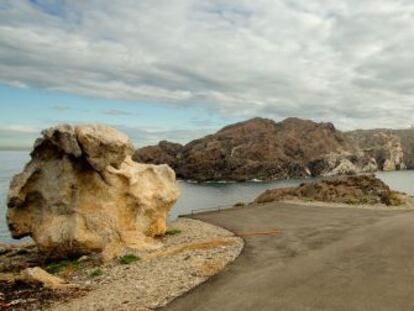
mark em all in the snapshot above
pixel 314 258
pixel 192 252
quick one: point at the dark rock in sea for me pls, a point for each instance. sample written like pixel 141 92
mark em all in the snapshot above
pixel 262 149
pixel 360 189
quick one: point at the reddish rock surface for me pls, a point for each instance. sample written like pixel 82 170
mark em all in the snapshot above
pixel 260 149
pixel 361 189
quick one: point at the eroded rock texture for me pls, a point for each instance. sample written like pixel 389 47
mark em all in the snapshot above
pixel 360 189
pixel 82 193
pixel 384 145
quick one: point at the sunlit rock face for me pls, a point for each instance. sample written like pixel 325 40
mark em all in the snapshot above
pixel 261 149
pixel 82 193
pixel 386 146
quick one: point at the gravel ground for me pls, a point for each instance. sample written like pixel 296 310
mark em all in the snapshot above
pixel 189 257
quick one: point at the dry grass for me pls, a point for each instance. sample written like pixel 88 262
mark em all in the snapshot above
pixel 395 199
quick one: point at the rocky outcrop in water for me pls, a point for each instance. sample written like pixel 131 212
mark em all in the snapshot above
pixel 262 149
pixel 81 193
pixel 361 189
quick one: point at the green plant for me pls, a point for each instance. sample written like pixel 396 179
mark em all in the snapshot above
pixel 172 231
pixel 95 273
pixel 57 267
pixel 75 265
pixel 127 259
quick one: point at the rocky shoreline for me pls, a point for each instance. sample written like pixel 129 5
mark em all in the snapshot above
pixel 361 190
pixel 192 252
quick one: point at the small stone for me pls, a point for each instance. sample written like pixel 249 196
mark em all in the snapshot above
pixel 48 280
pixel 83 258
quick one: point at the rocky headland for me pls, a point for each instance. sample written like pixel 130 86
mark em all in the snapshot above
pixel 351 190
pixel 263 149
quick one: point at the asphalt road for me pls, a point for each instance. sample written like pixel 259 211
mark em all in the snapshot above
pixel 322 259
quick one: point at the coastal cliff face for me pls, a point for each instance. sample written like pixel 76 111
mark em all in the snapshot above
pixel 81 193
pixel 262 149
pixel 392 149
pixel 407 141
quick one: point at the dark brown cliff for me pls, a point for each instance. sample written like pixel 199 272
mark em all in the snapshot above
pixel 261 149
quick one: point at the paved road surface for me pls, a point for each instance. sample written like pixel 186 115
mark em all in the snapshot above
pixel 323 259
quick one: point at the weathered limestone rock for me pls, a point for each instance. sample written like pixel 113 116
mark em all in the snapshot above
pixel 48 280
pixel 345 167
pixel 342 163
pixel 103 145
pixel 82 193
pixel 382 144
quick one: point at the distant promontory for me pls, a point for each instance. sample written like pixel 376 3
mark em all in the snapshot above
pixel 261 149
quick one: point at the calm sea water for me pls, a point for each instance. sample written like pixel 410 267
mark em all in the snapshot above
pixel 11 162
pixel 193 196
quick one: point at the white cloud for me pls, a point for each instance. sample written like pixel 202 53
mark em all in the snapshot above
pixel 23 136
pixel 346 61
pixel 19 128
pixel 17 136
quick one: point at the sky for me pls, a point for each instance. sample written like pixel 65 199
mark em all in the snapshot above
pixel 178 70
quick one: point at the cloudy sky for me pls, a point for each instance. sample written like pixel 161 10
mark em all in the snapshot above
pixel 179 69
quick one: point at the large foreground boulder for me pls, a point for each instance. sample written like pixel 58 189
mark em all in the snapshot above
pixel 81 193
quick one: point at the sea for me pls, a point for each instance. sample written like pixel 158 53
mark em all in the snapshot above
pixel 194 197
